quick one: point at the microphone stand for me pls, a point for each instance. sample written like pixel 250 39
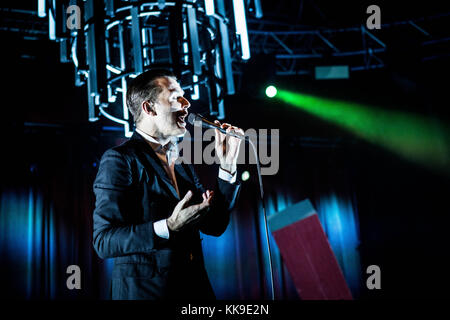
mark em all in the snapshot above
pixel 261 190
pixel 205 122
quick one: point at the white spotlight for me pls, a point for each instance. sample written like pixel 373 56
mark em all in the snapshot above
pixel 241 27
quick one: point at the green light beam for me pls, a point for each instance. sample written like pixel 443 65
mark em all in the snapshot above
pixel 414 138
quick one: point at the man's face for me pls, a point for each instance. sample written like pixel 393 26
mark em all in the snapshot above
pixel 171 109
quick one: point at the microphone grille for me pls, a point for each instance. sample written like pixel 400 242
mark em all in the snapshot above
pixel 192 119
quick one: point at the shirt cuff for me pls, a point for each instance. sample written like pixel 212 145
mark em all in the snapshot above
pixel 224 175
pixel 161 228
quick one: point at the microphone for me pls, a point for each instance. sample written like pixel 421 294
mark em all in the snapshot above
pixel 198 121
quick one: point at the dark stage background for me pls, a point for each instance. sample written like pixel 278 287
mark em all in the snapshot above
pixel 376 207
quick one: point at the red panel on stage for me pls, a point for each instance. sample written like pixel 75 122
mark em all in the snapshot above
pixel 308 256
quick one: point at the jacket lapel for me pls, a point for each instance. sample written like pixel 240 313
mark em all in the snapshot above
pixel 181 171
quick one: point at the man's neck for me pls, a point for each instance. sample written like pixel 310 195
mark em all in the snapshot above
pixel 158 137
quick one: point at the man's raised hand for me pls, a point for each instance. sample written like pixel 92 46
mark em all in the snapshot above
pixel 183 215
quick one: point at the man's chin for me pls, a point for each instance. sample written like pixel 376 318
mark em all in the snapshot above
pixel 180 132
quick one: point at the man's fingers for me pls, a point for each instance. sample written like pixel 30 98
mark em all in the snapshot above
pixel 207 197
pixel 187 196
pixel 185 199
pixel 219 138
pixel 204 204
pixel 192 212
pixel 195 209
pixel 226 126
pixel 240 131
pixel 234 129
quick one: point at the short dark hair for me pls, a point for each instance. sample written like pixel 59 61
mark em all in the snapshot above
pixel 144 87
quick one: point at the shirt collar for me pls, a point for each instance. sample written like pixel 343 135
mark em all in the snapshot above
pixel 170 149
pixel 147 137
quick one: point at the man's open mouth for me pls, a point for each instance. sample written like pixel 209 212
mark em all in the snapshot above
pixel 181 115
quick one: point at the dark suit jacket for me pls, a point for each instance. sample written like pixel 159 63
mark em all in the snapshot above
pixel 132 192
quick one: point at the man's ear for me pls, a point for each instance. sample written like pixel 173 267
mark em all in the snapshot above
pixel 148 108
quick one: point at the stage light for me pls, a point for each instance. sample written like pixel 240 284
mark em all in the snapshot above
pixel 194 44
pixel 51 26
pixel 119 42
pixel 41 9
pixel 245 176
pixel 196 92
pixel 185 45
pixel 241 27
pixel 413 137
pixel 209 6
pixel 271 91
pixel 112 69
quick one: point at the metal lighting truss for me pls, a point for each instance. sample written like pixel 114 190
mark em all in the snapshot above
pixel 120 39
pixel 296 49
pixel 203 42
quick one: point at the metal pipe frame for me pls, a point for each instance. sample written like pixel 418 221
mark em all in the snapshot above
pixel 145 30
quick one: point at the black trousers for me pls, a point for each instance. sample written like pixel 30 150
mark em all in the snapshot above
pixel 182 278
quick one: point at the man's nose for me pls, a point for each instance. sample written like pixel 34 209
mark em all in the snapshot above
pixel 184 103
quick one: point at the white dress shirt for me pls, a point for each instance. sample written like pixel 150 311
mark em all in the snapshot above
pixel 160 226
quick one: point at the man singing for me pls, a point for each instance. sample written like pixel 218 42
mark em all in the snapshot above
pixel 149 210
